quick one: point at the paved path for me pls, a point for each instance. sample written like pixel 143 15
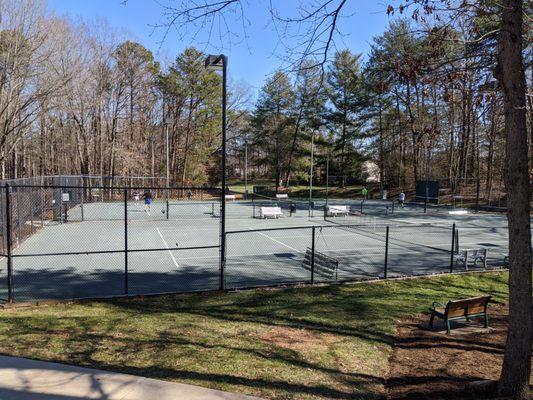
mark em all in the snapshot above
pixel 24 379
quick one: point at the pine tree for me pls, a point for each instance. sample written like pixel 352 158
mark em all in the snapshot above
pixel 272 123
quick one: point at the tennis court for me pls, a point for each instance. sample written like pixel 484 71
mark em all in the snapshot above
pixel 175 247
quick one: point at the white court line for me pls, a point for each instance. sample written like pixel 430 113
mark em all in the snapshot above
pixel 166 245
pixel 277 241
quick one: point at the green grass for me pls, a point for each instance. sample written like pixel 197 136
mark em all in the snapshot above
pixel 319 192
pixel 298 343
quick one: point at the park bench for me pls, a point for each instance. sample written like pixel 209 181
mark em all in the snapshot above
pixel 230 197
pixel 324 266
pixel 464 257
pixel 282 196
pixel 460 310
pixel 271 212
pixel 335 211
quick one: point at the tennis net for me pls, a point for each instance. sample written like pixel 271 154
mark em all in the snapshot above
pixel 407 235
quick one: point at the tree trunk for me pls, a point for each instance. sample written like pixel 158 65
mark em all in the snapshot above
pixel 514 379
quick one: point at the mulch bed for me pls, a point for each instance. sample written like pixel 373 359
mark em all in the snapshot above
pixel 429 364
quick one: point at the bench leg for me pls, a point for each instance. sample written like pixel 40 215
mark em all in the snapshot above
pixel 448 326
pixel 486 320
pixel 431 319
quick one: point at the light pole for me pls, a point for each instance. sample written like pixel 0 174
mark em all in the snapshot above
pixel 220 63
pixel 168 157
pixel 311 173
pixel 246 168
pixel 327 178
pixel 427 188
pixel 428 149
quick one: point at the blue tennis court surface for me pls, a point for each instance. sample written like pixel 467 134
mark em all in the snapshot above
pixel 160 258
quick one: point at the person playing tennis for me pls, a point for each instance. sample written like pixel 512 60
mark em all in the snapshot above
pixel 147 200
pixel 401 198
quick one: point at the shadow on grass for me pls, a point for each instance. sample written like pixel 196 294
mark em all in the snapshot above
pixel 364 312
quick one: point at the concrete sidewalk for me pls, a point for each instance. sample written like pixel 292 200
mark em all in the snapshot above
pixel 24 379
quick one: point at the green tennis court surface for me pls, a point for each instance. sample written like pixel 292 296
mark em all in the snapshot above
pixel 160 259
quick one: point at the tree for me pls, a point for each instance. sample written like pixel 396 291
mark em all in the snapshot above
pixel 347 100
pixel 272 121
pixel 514 379
pixel 307 113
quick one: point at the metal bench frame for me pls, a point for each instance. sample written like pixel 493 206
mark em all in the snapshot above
pixel 334 211
pixel 463 306
pixel 471 255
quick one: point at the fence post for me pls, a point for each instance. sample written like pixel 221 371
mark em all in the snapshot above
pixel 386 253
pixel 125 241
pixel 477 194
pixel 19 219
pixel 9 244
pixel 452 252
pixel 82 202
pixel 222 283
pixel 43 205
pixel 32 207
pixel 313 229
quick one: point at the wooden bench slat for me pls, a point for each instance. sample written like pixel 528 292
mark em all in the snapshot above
pixel 462 309
pixel 325 266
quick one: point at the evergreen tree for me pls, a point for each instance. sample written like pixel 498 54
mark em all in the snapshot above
pixel 272 123
pixel 344 115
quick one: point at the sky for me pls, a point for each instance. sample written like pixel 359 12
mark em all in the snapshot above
pixel 250 60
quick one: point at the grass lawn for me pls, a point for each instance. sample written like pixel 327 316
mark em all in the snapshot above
pixel 298 343
pixel 319 192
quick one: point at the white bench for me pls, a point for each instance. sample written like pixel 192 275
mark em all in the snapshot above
pixel 464 257
pixel 271 212
pixel 335 211
pixel 282 196
pixel 230 197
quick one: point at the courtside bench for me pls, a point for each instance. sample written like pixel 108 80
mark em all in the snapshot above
pixel 324 266
pixel 337 211
pixel 464 309
pixel 271 212
pixel 464 257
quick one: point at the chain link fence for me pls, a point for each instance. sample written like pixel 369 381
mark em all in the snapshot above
pixel 71 237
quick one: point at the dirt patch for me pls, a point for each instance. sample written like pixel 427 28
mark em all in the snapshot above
pixel 292 338
pixel 297 339
pixel 431 364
